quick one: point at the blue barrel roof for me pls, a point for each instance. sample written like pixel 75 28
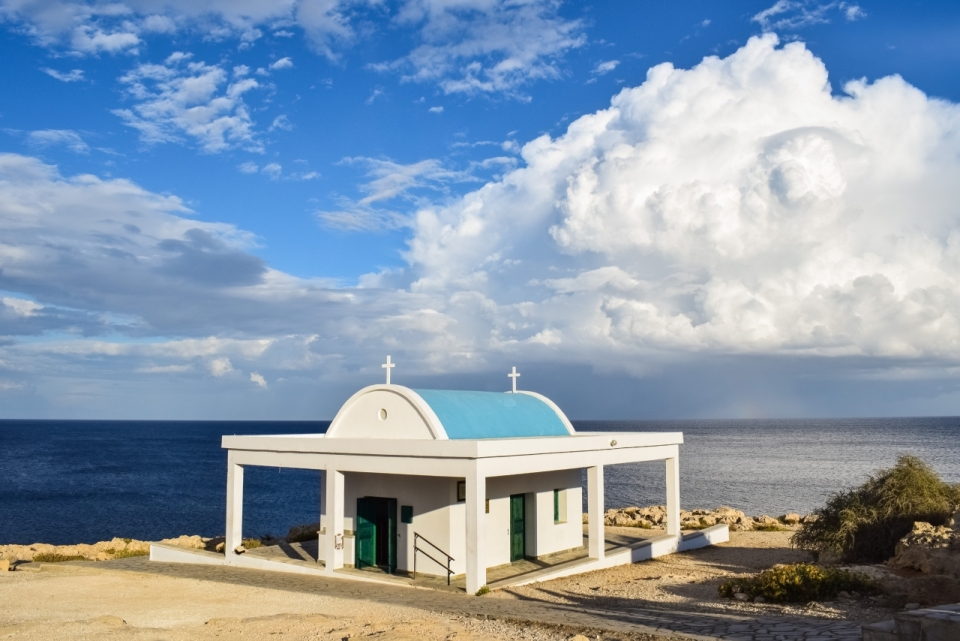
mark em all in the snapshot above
pixel 474 415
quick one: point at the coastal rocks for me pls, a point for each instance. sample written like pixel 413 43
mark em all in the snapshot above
pixel 930 549
pixel 195 542
pixel 102 551
pixel 300 533
pixel 655 516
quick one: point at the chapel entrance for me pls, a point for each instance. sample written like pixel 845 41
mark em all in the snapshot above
pixel 376 536
pixel 518 517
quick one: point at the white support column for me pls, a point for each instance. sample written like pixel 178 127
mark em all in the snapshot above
pixel 595 511
pixel 673 494
pixel 476 533
pixel 334 507
pixel 234 532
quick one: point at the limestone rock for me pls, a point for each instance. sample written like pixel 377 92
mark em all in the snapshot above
pixel 931 550
pixel 195 542
pixel 791 518
pixel 308 532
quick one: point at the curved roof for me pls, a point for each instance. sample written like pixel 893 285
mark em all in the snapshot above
pixel 469 415
pixel 398 412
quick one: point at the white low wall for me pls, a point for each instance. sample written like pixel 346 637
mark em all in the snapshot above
pixel 175 554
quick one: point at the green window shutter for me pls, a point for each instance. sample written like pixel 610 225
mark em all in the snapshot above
pixel 556 506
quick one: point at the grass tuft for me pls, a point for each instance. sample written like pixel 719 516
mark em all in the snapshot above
pixel 799 583
pixel 252 544
pixel 483 590
pixel 53 557
pixel 126 554
pixel 770 527
pixel 864 524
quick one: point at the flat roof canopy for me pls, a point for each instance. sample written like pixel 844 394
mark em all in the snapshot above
pixel 459 448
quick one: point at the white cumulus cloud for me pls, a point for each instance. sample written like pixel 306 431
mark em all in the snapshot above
pixel 738 206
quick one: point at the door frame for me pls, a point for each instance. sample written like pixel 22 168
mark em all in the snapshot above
pixel 378 517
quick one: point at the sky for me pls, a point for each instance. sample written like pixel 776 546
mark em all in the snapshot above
pixel 236 209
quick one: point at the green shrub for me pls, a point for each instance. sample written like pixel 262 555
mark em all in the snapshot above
pixel 53 557
pixel 770 527
pixel 799 583
pixel 252 544
pixel 864 524
pixel 483 590
pixel 127 553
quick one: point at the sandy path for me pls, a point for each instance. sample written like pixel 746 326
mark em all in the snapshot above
pixel 79 604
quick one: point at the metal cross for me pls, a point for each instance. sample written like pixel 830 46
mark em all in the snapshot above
pixel 388 366
pixel 514 376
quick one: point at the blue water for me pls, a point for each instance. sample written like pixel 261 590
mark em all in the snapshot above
pixel 86 481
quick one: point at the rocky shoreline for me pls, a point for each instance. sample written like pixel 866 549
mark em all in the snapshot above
pixel 651 517
pixel 655 516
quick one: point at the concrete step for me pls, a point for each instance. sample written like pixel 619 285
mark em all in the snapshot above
pixel 940 623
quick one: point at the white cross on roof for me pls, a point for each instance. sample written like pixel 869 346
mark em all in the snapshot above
pixel 513 374
pixel 388 366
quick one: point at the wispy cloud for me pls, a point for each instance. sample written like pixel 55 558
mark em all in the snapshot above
pixel 274 171
pixel 390 181
pixel 605 67
pixel 65 137
pixel 74 75
pixel 282 63
pixel 195 100
pixel 791 15
pixel 483 46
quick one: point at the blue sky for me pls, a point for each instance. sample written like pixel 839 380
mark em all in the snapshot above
pixel 236 210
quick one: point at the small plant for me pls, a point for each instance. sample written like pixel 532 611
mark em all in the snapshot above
pixel 864 524
pixel 483 590
pixel 799 583
pixel 252 544
pixel 128 553
pixel 127 541
pixel 53 557
pixel 770 527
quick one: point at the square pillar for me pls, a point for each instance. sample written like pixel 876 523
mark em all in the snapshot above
pixel 234 530
pixel 476 533
pixel 595 511
pixel 673 495
pixel 333 504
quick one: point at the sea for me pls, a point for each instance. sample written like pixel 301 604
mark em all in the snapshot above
pixel 65 482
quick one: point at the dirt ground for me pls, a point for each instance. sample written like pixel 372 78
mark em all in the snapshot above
pixel 689 582
pixel 92 604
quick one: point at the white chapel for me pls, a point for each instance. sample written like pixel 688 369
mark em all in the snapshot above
pixel 453 483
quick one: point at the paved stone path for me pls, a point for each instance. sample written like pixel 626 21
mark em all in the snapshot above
pixel 693 625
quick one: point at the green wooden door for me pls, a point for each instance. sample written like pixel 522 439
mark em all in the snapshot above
pixel 517 520
pixel 365 542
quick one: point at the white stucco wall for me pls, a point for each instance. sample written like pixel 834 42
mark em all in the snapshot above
pixel 440 518
pixel 431 499
pixel 543 536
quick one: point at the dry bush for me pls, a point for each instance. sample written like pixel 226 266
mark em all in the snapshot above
pixel 799 583
pixel 863 525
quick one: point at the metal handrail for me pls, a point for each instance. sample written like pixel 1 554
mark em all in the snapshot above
pixel 416 549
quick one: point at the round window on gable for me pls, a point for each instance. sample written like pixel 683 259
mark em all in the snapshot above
pixel 382 414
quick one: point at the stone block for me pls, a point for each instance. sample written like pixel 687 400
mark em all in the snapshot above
pixel 882 631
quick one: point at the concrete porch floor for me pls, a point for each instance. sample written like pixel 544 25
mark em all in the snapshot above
pixel 305 555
